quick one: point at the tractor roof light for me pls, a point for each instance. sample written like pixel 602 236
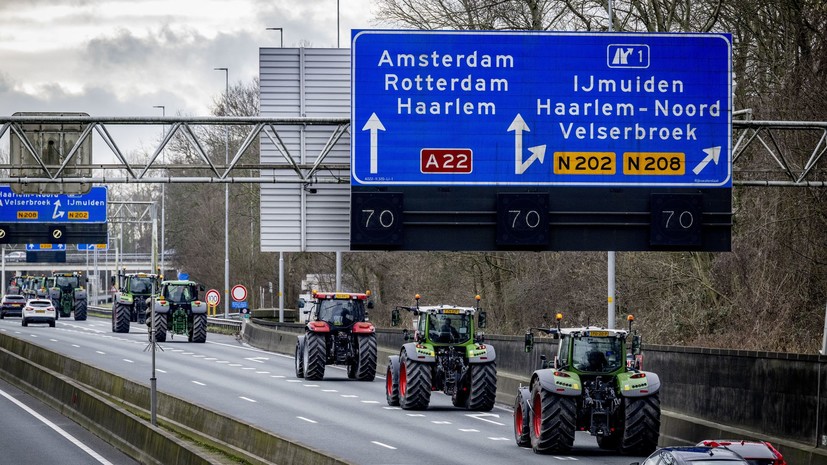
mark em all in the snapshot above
pixel 630 319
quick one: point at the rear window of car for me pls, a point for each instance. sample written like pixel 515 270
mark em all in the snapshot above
pixel 39 303
pixel 14 298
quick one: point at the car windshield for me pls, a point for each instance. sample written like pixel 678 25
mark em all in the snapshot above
pixel 597 354
pixel 140 285
pixel 341 312
pixel 448 328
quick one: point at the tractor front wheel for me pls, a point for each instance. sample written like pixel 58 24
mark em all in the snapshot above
pixel 522 416
pixel 314 356
pixel 299 360
pixel 120 318
pixel 392 386
pixel 414 383
pixel 199 328
pixel 80 310
pixel 483 387
pixel 641 426
pixel 160 323
pixel 366 368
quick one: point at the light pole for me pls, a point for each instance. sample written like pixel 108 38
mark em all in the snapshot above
pixel 163 193
pixel 226 197
pixel 338 43
pixel 281 35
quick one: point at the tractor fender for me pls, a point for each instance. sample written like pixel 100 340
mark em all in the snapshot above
pixel 644 386
pixel 198 308
pixel 161 308
pixel 393 364
pixel 80 294
pixel 54 294
pixel 482 353
pixel 525 395
pixel 422 354
pixel 568 385
pixel 300 345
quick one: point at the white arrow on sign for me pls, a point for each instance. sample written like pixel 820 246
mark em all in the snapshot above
pixel 57 214
pixel 713 154
pixel 537 153
pixel 374 125
pixel 479 416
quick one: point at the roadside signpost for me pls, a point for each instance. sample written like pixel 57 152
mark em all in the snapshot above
pixel 53 218
pixel 482 140
pixel 239 295
pixel 213 298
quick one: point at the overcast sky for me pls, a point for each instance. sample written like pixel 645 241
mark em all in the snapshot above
pixel 121 57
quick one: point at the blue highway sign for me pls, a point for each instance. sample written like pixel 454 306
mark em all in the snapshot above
pixel 93 247
pixel 49 247
pixel 53 208
pixel 541 109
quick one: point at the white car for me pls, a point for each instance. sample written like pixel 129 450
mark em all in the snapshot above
pixel 16 256
pixel 39 311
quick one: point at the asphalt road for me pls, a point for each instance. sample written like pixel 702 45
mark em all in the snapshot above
pixel 346 418
pixel 34 433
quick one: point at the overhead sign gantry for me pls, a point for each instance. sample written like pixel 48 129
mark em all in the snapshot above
pixel 545 141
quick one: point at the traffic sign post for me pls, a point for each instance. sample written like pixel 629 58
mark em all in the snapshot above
pixel 239 295
pixel 469 140
pixel 213 298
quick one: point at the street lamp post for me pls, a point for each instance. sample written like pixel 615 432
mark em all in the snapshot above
pixel 163 194
pixel 281 34
pixel 226 197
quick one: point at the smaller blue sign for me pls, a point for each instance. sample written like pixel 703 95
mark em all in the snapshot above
pixel 93 247
pixel 242 304
pixel 48 247
pixel 53 208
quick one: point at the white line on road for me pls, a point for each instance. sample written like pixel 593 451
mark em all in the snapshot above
pixel 329 390
pixel 392 408
pixel 128 361
pixel 294 381
pixel 162 371
pixel 565 458
pixel 437 422
pixel 262 372
pixel 370 401
pixel 102 353
pixel 211 359
pixel 307 420
pixel 479 416
pixel 75 345
pixel 57 429
pixel 310 385
pixel 247 399
pixel 198 383
pixel 469 430
pixel 415 414
pixel 277 376
pixel 222 361
pixel 249 368
pixel 235 365
pixel 499 439
pixel 349 396
pixel 54 340
pixel 383 445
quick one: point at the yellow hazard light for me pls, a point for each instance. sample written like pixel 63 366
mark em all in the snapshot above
pixel 559 316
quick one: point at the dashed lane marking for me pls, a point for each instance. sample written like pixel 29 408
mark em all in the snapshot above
pixel 198 383
pixel 247 399
pixel 383 445
pixel 307 420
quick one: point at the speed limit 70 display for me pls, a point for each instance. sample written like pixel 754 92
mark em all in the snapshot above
pixel 376 220
pixel 522 220
pixel 676 220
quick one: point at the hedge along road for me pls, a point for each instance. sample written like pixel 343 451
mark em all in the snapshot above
pixel 345 418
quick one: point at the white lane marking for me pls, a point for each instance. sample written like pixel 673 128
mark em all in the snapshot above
pixel 198 383
pixel 565 458
pixel 162 371
pixel 54 340
pixel 370 401
pixel 392 408
pixel 469 430
pixel 383 445
pixel 199 356
pixel 247 399
pixel 479 416
pixel 307 420
pixel 222 361
pixel 187 353
pixel 262 372
pixel 57 429
pixel 33 335
pixel 257 359
pixel 177 350
pixel 235 365
pixel 128 361
pixel 102 353
pixel 436 422
pixel 415 414
pixel 294 381
pixel 329 390
pixel 75 345
pixel 248 368
pixel 310 385
pixel 349 396
pixel 277 376
pixel 499 439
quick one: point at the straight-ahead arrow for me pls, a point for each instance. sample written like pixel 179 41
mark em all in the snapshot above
pixel 374 125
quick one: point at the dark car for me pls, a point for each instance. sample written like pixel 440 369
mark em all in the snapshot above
pixel 754 452
pixel 693 455
pixel 12 305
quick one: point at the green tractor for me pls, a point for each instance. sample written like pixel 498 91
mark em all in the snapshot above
pixel 131 301
pixel 68 294
pixel 589 386
pixel 447 354
pixel 178 310
pixel 34 287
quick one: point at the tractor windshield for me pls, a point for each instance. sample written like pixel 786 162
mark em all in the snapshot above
pixel 67 281
pixel 597 354
pixel 179 293
pixel 140 285
pixel 341 312
pixel 448 328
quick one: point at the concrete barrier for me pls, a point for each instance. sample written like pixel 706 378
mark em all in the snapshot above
pixel 117 410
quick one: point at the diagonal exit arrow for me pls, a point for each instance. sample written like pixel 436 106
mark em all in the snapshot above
pixel 537 153
pixel 479 416
pixel 713 154
pixel 374 126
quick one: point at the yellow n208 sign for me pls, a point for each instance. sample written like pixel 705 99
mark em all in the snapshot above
pixel 654 163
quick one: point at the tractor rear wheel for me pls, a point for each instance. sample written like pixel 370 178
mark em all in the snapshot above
pixel 299 360
pixel 314 356
pixel 483 387
pixel 392 387
pixel 641 426
pixel 521 418
pixel 120 318
pixel 199 328
pixel 80 310
pixel 366 368
pixel 553 421
pixel 414 383
pixel 160 323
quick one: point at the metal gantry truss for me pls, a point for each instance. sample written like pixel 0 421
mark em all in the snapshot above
pixel 759 155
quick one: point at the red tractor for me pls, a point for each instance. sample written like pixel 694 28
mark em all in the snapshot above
pixel 338 333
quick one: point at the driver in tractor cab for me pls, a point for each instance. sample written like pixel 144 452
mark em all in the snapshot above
pixel 342 313
pixel 448 331
pixel 596 361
